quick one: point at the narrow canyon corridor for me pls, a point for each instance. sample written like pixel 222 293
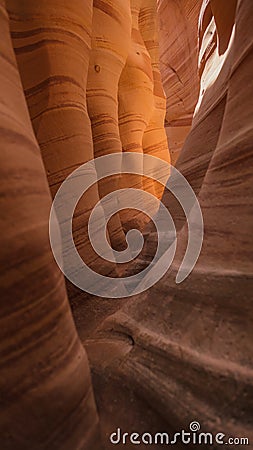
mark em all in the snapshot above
pixel 126 196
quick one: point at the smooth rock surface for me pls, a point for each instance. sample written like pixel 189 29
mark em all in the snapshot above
pixel 52 43
pixel 46 395
pixel 178 38
pixel 111 43
pixel 178 352
pixel 183 352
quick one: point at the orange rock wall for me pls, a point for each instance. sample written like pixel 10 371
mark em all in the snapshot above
pixel 44 374
pixel 184 350
pixel 52 44
pixel 175 353
pixel 111 41
pixel 178 38
pixel 61 63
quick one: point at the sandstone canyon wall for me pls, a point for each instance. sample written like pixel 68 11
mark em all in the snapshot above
pixel 141 102
pixel 46 394
pixel 185 350
pixel 178 39
pixel 52 43
pixel 86 83
pixel 111 41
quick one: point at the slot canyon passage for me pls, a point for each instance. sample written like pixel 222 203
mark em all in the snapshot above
pixel 170 79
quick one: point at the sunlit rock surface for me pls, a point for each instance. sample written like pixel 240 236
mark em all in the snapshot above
pixel 181 352
pixel 85 83
pixel 178 39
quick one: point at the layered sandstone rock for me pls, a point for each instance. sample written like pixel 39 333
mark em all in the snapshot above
pixel 142 103
pixel 178 40
pixel 111 41
pixel 183 352
pixel 52 45
pixel 154 139
pixel 176 353
pixel 45 387
pixel 118 55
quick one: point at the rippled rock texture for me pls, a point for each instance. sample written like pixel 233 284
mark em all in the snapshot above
pixel 81 80
pixel 46 394
pixel 178 39
pixel 181 352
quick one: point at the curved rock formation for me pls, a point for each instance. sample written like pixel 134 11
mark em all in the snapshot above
pixel 52 45
pixel 154 139
pixel 141 101
pixel 111 40
pixel 178 40
pixel 45 387
pixel 178 352
pixel 183 352
pixel 136 102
